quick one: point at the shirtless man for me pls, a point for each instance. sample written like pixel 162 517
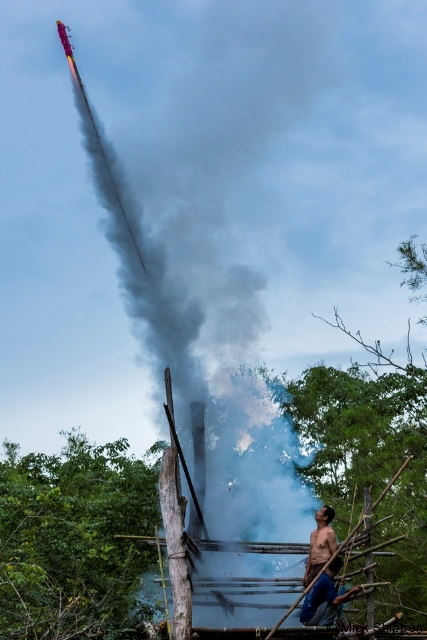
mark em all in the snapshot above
pixel 323 544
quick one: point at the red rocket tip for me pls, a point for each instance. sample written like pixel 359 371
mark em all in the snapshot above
pixel 63 36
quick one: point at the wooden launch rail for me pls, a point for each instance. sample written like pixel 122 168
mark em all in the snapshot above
pixel 184 467
pixel 255 605
pixel 243 582
pixel 275 548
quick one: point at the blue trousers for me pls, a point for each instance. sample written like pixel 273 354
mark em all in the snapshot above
pixel 325 615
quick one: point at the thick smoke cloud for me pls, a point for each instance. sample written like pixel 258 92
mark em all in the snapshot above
pixel 255 69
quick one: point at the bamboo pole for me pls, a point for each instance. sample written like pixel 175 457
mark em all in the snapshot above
pixel 377 546
pixel 391 483
pixel 373 631
pixel 165 595
pixel 340 548
pixel 228 580
pixel 241 605
pixel 346 576
pixel 251 592
pixel 251 631
pixel 370 602
pixel 250 605
pixel 380 521
pixel 243 585
pixel 228 546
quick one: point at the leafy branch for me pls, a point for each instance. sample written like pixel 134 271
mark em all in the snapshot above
pixel 413 261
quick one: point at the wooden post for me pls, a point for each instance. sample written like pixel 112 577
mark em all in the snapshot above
pixel 169 401
pixel 370 604
pixel 178 572
pixel 199 447
pixel 169 397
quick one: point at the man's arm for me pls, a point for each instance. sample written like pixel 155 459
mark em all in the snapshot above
pixel 308 567
pixel 345 596
pixel 307 571
pixel 332 542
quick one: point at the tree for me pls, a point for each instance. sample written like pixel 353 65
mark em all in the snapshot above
pixel 413 261
pixel 62 572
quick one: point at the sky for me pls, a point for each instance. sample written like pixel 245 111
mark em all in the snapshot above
pixel 278 149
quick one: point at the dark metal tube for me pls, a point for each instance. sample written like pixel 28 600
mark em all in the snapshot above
pixel 199 475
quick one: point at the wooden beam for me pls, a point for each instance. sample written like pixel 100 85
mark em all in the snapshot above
pixel 172 520
pixel 347 576
pixel 247 547
pixel 248 592
pixel 244 605
pixel 241 581
pixel 251 631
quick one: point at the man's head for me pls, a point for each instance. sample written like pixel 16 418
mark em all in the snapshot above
pixel 335 566
pixel 325 514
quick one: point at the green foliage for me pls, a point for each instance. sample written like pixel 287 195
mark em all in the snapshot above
pixel 360 431
pixel 413 262
pixel 62 571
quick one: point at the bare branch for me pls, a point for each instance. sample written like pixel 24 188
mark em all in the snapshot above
pixel 381 359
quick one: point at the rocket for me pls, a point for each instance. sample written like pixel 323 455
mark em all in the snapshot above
pixel 64 37
pixel 68 49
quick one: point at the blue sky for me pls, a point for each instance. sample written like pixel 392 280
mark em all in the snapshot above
pixel 290 136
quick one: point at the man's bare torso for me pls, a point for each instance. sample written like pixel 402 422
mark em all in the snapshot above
pixel 322 544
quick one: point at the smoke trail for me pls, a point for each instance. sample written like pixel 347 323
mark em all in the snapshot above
pixel 173 318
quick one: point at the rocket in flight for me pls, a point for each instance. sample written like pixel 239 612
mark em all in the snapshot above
pixel 65 39
pixel 68 49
